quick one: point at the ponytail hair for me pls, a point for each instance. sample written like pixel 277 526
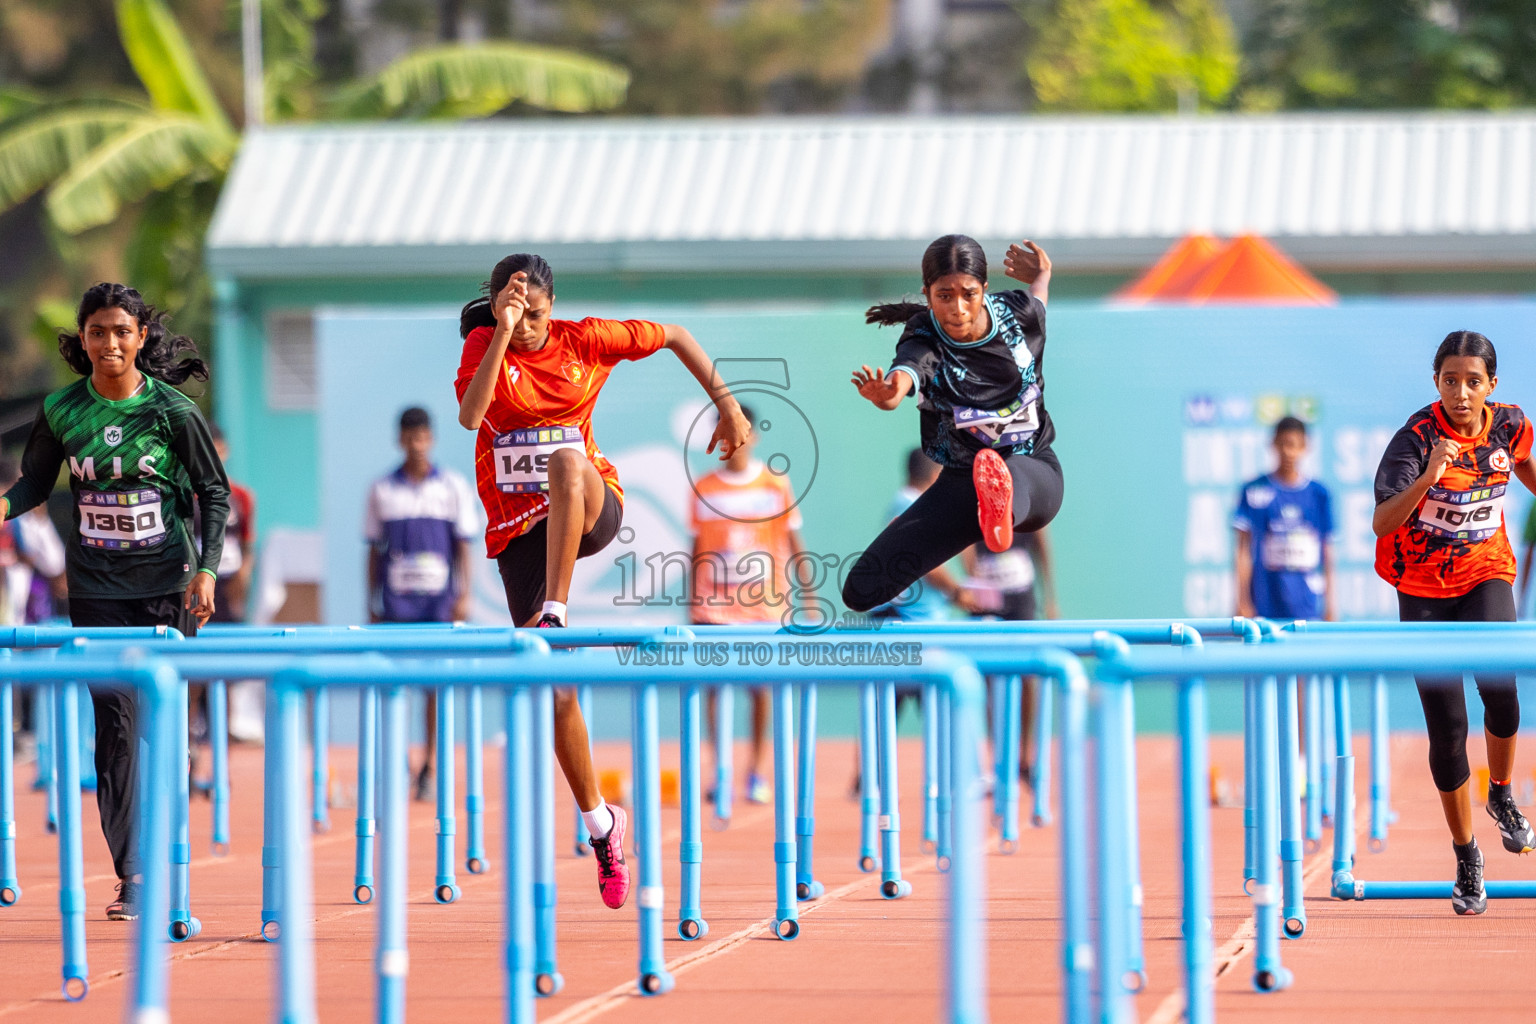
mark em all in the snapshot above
pixel 478 312
pixel 167 357
pixel 951 254
pixel 1467 343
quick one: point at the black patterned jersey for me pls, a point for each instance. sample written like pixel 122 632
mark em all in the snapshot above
pixel 134 467
pixel 1455 539
pixel 982 394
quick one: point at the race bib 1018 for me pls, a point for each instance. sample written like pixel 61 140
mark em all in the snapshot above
pixel 121 520
pixel 522 457
pixel 1463 515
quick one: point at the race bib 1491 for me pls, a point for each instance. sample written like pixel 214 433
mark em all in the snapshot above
pixel 522 456
pixel 121 520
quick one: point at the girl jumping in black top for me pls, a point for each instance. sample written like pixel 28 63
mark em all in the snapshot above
pixel 974 358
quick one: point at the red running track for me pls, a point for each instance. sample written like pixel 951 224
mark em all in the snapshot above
pixel 858 956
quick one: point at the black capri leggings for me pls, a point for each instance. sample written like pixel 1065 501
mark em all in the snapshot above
pixel 941 523
pixel 1445 702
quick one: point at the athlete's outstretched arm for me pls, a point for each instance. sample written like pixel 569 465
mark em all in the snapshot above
pixel 508 305
pixel 1028 264
pixel 1526 471
pixel 733 429
pixel 885 390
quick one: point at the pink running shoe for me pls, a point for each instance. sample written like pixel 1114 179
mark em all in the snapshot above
pixel 994 499
pixel 612 872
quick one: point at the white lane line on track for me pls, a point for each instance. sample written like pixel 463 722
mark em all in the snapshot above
pixel 620 995
pixel 328 839
pixel 1240 944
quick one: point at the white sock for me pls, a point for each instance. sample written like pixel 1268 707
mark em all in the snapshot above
pixel 599 820
pixel 557 609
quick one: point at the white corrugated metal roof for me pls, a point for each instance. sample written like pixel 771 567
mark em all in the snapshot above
pixel 1355 190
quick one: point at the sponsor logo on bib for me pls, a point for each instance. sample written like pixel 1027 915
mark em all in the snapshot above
pixel 1500 461
pixel 113 436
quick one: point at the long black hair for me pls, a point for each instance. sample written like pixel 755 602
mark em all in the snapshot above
pixel 478 312
pixel 1467 343
pixel 952 254
pixel 167 357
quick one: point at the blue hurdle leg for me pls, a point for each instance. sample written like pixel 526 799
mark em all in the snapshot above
pixel 1194 757
pixel 930 768
pixel 892 885
pixel 320 799
pixel 1044 693
pixel 87 735
pixel 296 953
pixel 786 912
pixel 1293 910
pixel 806 886
pixel 944 849
pixel 690 851
pixel 183 925
pixel 869 781
pixel 392 960
pixel 583 837
pixel 1135 958
pixel 474 783
pixel 1268 973
pixel 997 715
pixel 520 952
pixel 1381 765
pixel 1010 694
pixel 1250 780
pixel 1329 750
pixel 71 855
pixel 271 856
pixel 47 757
pixel 1344 794
pixel 1114 886
pixel 367 772
pixel 155 771
pixel 1314 762
pixel 1077 944
pixel 1523 889
pixel 654 977
pixel 218 743
pixel 10 887
pixel 725 746
pixel 445 887
pixel 966 973
pixel 546 975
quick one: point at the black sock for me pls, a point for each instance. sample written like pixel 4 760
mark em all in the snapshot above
pixel 1498 792
pixel 1467 852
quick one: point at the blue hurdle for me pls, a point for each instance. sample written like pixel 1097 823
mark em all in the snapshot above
pixel 966 970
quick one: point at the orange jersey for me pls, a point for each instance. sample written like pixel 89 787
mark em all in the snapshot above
pixel 742 524
pixel 1455 539
pixel 543 402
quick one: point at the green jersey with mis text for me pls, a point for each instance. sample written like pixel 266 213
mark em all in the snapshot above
pixel 134 467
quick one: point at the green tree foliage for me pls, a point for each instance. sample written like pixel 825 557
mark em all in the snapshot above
pixel 138 172
pixel 730 56
pixel 1391 53
pixel 1130 55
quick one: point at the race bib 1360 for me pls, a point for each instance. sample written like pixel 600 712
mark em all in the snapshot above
pixel 121 520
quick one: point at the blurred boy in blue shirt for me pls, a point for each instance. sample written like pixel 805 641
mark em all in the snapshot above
pixel 1284 524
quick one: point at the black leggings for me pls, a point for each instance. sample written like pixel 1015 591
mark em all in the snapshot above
pixel 941 523
pixel 1445 703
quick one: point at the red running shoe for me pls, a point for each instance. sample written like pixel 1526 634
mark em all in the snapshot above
pixel 994 499
pixel 612 872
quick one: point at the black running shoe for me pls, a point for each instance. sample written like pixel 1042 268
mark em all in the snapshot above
pixel 126 906
pixel 1469 897
pixel 1514 829
pixel 549 620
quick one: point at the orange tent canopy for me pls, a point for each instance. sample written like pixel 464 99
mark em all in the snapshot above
pixel 1248 269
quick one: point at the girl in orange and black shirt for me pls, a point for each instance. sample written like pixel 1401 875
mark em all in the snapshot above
pixel 1439 526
